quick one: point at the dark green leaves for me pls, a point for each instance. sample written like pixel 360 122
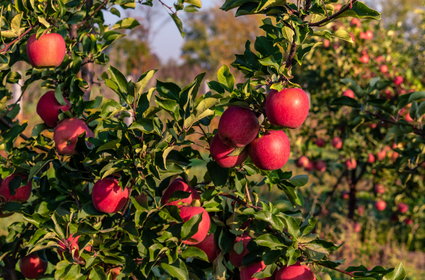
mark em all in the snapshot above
pixel 360 10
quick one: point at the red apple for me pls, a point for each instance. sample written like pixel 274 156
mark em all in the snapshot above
pixel 303 161
pixel 381 154
pixel 247 272
pixel 380 59
pixel 32 266
pixel 367 35
pixel 383 68
pixel 320 165
pixel 408 221
pixel 234 257
pixel 345 195
pixel 288 107
pixel 398 80
pixel 320 142
pixel 47 51
pixel 48 108
pixel 186 213
pixel 357 227
pixel 238 126
pixel 380 205
pixel 222 154
pixel 349 93
pixel 360 210
pixel 388 93
pixel 71 245
pixel 326 43
pixel 210 247
pixel 379 189
pixel 270 151
pixel 21 194
pixel 355 22
pixel 108 196
pixel 179 185
pixel 295 272
pixel 337 143
pixel 364 58
pixel 402 207
pixel 114 272
pixel 351 164
pixel 370 158
pixel 66 135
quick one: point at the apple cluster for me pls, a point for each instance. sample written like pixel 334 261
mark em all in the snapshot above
pixel 238 129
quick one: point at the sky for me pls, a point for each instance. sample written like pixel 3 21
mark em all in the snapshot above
pixel 167 41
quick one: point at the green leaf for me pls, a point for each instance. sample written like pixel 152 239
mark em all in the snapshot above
pixel 299 180
pixel 269 240
pixel 196 3
pixel 190 227
pixel 194 252
pixel 397 274
pixel 225 77
pixel 347 101
pixel 361 10
pixel 180 272
pixel 178 23
pixel 127 23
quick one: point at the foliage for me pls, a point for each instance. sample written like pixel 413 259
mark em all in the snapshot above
pixel 146 139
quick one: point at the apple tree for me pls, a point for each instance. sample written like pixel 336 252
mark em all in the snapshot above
pixel 369 98
pixel 145 186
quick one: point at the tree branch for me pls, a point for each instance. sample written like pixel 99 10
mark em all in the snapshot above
pixel 8 45
pixel 351 274
pixel 347 7
pixel 416 130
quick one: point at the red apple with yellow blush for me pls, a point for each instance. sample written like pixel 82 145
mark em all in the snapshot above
pixel 47 51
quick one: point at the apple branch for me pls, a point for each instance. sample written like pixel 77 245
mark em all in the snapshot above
pixel 19 38
pixel 346 7
pixel 167 6
pixel 351 274
pixel 416 130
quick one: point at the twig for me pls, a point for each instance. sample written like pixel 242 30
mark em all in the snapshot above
pixel 240 201
pixel 416 130
pixel 85 21
pixel 166 6
pixel 329 18
pixel 8 45
pixel 339 270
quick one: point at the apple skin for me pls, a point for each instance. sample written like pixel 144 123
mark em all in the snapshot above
pixel 47 51
pixel 408 221
pixel 32 266
pixel 186 213
pixel 238 126
pixel 351 163
pixel 345 195
pixel 220 152
pixel 320 142
pixel 357 227
pixel 246 272
pixel 380 205
pixel 320 165
pixel 210 247
pixel 398 80
pixel 355 22
pixel 48 108
pixel 379 189
pixel 288 107
pixel 402 207
pixel 337 143
pixel 270 151
pixel 364 59
pixel 235 258
pixel 303 161
pixel 349 93
pixel 383 68
pixel 66 135
pixel 295 272
pixel 108 196
pixel 179 185
pixel 22 194
pixel 381 154
pixel 370 158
